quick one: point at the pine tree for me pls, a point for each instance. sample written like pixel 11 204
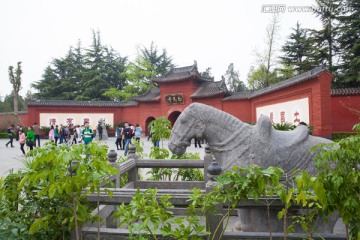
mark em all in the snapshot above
pixel 161 63
pixel 327 11
pixel 349 41
pixel 149 63
pixel 298 51
pixel 83 74
pixel 232 80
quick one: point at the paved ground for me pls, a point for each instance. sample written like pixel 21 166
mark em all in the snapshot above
pixel 11 158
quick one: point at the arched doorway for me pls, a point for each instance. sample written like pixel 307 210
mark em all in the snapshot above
pixel 173 116
pixel 147 122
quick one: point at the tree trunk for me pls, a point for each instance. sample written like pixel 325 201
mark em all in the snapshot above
pixel 16 104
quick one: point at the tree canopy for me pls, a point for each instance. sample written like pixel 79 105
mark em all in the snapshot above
pixel 149 63
pixel 83 74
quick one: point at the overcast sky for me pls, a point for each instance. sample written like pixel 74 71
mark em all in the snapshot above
pixel 213 32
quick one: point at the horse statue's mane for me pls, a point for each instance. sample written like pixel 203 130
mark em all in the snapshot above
pixel 234 142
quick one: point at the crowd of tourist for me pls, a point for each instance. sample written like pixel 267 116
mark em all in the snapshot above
pixel 72 134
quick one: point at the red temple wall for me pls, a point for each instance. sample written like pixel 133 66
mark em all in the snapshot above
pixel 215 102
pixel 318 93
pixel 343 114
pixel 239 109
pixel 326 113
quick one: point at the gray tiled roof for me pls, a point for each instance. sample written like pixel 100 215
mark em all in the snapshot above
pixel 284 84
pixel 238 96
pixel 345 91
pixel 181 73
pixel 151 95
pixel 80 103
pixel 210 89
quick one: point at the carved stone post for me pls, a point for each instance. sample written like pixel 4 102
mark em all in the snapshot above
pixel 133 173
pixel 112 157
pixel 208 158
pixel 213 221
pixel 72 168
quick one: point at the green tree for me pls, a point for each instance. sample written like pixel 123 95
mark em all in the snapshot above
pixel 148 63
pixel 327 11
pixel 298 51
pixel 83 74
pixel 7 105
pixel 15 80
pixel 339 172
pixel 260 78
pixel 349 43
pixel 104 69
pixel 160 63
pixel 232 79
pixel 160 129
pixel 264 74
pixel 207 73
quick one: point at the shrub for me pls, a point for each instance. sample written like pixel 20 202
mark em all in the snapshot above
pixel 4 135
pixel 336 136
pixel 43 200
pixel 285 126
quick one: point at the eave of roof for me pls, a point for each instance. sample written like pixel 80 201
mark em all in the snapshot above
pixel 151 95
pixel 210 89
pixel 182 74
pixel 345 91
pixel 74 103
pixel 281 85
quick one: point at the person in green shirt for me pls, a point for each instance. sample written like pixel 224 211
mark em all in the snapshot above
pixel 30 138
pixel 87 134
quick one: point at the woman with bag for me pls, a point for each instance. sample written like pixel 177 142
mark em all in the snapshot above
pixel 22 138
pixel 30 138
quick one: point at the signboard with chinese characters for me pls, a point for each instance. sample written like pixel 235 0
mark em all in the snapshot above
pixel 294 112
pixel 174 99
pixel 47 119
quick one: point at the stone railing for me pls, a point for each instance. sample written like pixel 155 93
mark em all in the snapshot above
pixel 180 191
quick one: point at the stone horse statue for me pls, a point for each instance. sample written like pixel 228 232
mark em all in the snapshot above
pixel 234 142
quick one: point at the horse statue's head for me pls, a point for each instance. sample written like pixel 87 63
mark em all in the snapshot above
pixel 186 127
pixel 201 121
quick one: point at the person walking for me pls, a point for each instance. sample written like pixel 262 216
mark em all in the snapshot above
pixel 36 130
pixel 78 133
pixel 22 138
pixel 10 131
pixel 127 136
pixel 150 133
pixel 87 134
pixel 71 133
pixel 30 138
pixel 100 130
pixel 56 134
pixel 62 134
pixel 138 131
pixel 118 135
pixel 51 134
pixel 197 142
pixel 18 128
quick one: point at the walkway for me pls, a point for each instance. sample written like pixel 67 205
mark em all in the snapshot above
pixel 11 158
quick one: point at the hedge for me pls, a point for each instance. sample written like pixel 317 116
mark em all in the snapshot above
pixel 341 135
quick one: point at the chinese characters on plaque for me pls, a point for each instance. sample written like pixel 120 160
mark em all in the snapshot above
pixel 174 99
pixel 294 111
pixel 283 117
